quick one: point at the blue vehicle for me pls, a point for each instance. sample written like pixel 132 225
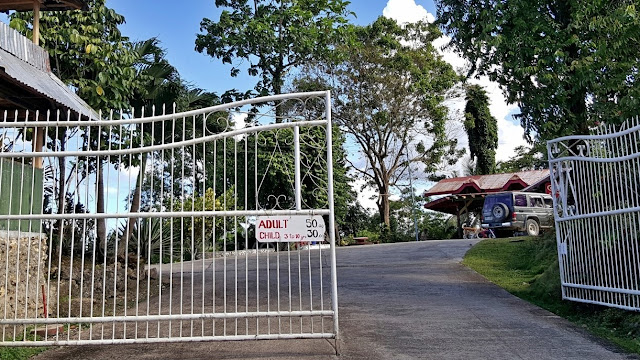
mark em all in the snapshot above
pixel 512 211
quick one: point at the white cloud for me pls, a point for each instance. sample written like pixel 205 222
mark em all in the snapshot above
pixel 406 11
pixel 367 195
pixel 239 122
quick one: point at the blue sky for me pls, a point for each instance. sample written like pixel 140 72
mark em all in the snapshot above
pixel 177 23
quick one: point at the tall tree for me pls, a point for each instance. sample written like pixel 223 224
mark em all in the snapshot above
pixel 90 54
pixel 273 37
pixel 389 94
pixel 482 130
pixel 567 64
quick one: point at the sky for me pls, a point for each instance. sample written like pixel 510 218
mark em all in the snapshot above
pixel 176 24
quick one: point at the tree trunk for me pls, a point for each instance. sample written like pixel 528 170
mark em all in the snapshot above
pixel 134 208
pixel 277 89
pixel 101 224
pixel 383 205
pixel 62 194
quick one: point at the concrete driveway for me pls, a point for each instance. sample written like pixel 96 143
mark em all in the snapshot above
pixel 403 301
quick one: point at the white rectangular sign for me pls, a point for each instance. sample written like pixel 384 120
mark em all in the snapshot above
pixel 292 228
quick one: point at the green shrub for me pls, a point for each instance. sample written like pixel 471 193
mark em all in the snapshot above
pixel 373 236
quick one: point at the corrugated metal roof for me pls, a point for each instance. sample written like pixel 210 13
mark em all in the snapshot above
pixel 24 49
pixel 25 65
pixel 486 183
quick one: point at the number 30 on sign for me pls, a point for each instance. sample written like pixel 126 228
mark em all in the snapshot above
pixel 293 228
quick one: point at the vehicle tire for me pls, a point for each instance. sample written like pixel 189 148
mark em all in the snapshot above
pixel 500 211
pixel 532 227
pixel 503 233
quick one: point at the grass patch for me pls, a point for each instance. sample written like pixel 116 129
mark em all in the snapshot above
pixel 528 268
pixel 19 353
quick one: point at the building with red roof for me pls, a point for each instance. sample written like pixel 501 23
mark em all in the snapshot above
pixel 466 194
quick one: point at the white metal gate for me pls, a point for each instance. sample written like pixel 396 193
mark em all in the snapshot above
pixel 596 180
pixel 144 230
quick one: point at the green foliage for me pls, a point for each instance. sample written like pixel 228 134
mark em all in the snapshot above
pixel 568 65
pixel 77 233
pixel 525 158
pixel 273 37
pixel 482 130
pixel 151 239
pixel 437 226
pixel 373 236
pixel 88 52
pixel 312 149
pixel 19 353
pixel 355 220
pixel 528 268
pixel 197 232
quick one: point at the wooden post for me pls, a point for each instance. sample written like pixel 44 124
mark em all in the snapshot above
pixel 38 134
pixel 459 227
pixel 36 22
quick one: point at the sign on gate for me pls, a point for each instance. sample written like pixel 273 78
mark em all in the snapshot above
pixel 294 228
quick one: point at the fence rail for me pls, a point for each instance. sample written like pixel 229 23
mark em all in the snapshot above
pixel 143 229
pixel 596 182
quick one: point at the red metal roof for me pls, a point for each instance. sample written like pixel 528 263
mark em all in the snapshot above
pixel 487 183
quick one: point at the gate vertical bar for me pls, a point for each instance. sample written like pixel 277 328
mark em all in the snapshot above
pixel 296 154
pixel 331 230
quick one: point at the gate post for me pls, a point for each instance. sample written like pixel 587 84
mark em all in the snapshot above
pixel 332 233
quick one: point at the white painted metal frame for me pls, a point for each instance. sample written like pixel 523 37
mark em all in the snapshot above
pixel 191 270
pixel 596 182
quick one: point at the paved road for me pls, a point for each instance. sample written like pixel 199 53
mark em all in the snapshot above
pixel 404 301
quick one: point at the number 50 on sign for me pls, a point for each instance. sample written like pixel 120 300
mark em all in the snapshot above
pixel 293 228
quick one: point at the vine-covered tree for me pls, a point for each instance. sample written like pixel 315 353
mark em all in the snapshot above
pixel 566 64
pixel 272 37
pixel 482 130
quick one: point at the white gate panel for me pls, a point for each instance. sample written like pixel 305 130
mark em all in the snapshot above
pixel 596 182
pixel 144 230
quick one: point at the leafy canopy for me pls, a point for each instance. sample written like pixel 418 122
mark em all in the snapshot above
pixel 567 64
pixel 273 37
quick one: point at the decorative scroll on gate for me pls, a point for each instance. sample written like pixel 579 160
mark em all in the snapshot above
pixel 596 183
pixel 144 229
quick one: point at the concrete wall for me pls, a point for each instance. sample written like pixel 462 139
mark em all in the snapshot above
pixel 23 264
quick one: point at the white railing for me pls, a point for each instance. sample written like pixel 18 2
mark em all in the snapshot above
pixel 143 229
pixel 596 182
